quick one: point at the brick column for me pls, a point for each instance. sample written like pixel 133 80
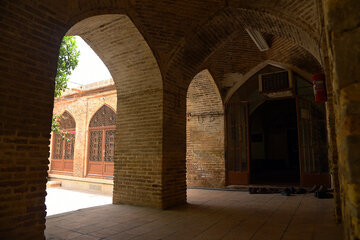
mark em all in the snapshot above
pixel 138 154
pixel 343 38
pixel 81 117
pixel 333 156
pixel 205 160
pixel 150 148
pixel 174 147
pixel 26 102
pixel 331 138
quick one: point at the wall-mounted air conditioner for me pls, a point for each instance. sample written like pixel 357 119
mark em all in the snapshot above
pixel 276 84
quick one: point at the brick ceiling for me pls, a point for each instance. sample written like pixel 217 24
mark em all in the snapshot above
pixel 184 37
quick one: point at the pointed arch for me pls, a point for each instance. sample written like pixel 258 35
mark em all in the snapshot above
pixel 123 49
pixel 203 93
pixel 205 133
pixel 104 116
pixel 67 121
pixel 260 66
pixel 195 49
pixel 136 74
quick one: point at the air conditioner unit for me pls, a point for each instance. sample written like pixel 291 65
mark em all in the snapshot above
pixel 276 84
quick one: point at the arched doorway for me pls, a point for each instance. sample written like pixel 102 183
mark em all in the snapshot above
pixel 276 136
pixel 102 143
pixel 62 155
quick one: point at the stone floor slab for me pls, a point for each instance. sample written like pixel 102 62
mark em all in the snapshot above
pixel 209 214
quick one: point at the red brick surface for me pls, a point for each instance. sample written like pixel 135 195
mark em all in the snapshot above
pixel 153 50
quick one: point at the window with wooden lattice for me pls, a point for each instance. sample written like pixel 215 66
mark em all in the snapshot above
pixel 62 157
pixel 101 143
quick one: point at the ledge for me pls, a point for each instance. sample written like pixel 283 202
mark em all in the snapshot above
pixel 90 180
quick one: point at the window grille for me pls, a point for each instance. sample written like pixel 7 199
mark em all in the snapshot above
pixel 69 147
pixel 109 145
pixel 63 146
pixel 67 121
pixel 58 147
pixel 103 117
pixel 95 145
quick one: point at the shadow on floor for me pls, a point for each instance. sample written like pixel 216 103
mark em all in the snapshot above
pixel 208 215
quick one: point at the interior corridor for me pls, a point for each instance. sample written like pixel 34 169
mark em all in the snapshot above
pixel 154 50
pixel 209 214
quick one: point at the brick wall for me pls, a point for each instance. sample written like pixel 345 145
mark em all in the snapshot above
pixel 152 82
pixel 28 67
pixel 205 163
pixel 138 151
pixel 342 31
pixel 205 127
pixel 82 105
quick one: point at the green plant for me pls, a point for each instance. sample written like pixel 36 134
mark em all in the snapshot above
pixel 67 62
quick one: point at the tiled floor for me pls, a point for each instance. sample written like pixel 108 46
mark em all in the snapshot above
pixel 209 215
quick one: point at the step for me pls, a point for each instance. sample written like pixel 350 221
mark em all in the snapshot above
pixel 51 184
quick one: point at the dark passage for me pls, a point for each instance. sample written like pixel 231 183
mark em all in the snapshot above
pixel 274 150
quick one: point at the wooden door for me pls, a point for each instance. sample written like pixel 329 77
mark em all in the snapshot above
pixel 237 159
pixel 95 153
pixel 101 143
pixel 109 142
pixel 62 160
pixel 62 156
pixel 312 142
pixel 101 152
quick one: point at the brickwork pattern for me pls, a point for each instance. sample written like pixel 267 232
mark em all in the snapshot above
pixel 138 166
pixel 205 162
pixel 152 79
pixel 82 105
pixel 342 33
pixel 240 54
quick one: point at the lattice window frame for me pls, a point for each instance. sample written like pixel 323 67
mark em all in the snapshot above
pixel 104 122
pixel 63 149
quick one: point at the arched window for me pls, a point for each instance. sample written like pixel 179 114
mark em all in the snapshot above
pixel 102 143
pixel 62 158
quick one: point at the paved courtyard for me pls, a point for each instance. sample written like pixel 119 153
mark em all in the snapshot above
pixel 209 214
pixel 59 200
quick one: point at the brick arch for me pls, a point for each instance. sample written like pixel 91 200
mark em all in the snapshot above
pixel 138 82
pixel 194 50
pixel 205 165
pixel 204 93
pixel 260 66
pixel 122 48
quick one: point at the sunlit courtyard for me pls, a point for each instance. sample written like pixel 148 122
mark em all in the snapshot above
pixel 59 200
